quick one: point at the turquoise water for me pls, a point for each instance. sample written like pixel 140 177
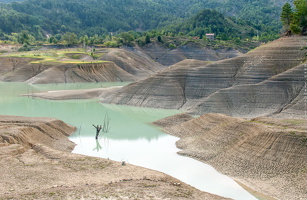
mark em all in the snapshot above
pixel 131 138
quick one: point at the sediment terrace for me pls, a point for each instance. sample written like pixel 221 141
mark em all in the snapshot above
pixel 268 155
pixel 276 67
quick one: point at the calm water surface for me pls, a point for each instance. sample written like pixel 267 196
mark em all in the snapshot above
pixel 131 138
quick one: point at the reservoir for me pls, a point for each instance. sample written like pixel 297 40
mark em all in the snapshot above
pixel 131 137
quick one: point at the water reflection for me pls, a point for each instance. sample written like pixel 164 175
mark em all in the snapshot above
pixel 98 146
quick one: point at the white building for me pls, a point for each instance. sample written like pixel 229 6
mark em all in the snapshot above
pixel 210 36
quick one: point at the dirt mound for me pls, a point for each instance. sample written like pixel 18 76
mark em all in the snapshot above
pixel 196 86
pixel 36 163
pixel 31 131
pixel 266 154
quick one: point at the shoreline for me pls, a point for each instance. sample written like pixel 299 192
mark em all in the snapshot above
pixel 37 163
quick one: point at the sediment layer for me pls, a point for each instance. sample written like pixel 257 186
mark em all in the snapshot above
pixel 245 86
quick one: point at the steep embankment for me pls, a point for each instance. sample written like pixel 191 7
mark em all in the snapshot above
pixel 268 155
pixel 192 87
pixel 73 65
pixel 18 69
pixel 36 164
pixel 277 94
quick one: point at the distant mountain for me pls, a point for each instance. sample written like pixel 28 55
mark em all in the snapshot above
pixel 98 16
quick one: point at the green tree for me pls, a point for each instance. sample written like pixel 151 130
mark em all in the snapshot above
pixel 127 38
pixel 84 40
pixel 69 39
pixel 23 37
pixel 147 39
pixel 301 13
pixel 286 16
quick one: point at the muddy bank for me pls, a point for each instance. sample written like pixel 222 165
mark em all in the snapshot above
pixel 267 155
pixel 73 94
pixel 36 163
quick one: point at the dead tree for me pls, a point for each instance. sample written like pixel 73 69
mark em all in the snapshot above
pixel 98 129
pixel 105 128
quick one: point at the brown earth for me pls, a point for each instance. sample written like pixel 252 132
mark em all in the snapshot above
pixel 36 163
pixel 265 154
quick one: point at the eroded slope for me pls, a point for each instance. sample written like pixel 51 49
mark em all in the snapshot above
pixel 188 86
pixel 268 155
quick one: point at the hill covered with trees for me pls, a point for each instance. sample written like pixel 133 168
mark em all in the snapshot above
pixel 90 17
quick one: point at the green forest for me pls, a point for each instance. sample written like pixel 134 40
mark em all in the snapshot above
pixel 116 22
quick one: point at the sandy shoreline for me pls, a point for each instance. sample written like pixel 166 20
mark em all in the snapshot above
pixel 73 94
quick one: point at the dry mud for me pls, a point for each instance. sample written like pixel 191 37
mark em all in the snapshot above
pixel 36 163
pixel 268 155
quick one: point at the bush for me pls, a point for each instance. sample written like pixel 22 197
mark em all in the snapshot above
pixel 172 46
pixel 25 47
pixel 112 44
pixel 295 29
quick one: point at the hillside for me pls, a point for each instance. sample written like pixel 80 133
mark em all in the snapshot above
pixel 268 155
pixel 97 17
pixel 270 70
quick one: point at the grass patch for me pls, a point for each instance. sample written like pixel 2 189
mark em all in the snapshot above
pixel 57 57
pixel 82 62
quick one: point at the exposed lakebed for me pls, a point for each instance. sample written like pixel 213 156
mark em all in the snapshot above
pixel 131 138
